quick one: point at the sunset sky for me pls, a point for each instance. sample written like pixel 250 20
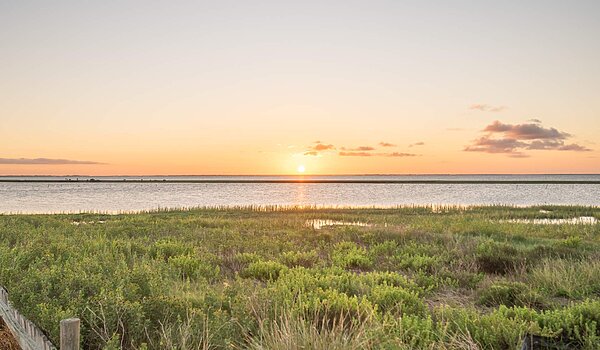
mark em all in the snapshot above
pixel 264 87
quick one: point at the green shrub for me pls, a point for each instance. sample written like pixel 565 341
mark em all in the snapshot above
pixel 190 267
pixel 350 256
pixel 410 332
pixel 503 293
pixel 165 249
pixel 331 306
pixel 264 270
pixel 397 300
pixel 570 242
pixel 304 259
pixel 498 258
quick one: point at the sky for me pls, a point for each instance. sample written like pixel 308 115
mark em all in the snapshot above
pixel 274 87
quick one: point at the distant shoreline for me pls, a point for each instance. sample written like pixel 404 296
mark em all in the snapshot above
pixel 308 181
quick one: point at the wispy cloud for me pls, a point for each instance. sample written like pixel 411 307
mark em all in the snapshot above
pixel 311 153
pixel 44 161
pixel 356 154
pixel 514 139
pixel 487 108
pixel 322 147
pixel 359 149
pixel 400 154
pixel 369 154
pixel 417 144
pixel 317 148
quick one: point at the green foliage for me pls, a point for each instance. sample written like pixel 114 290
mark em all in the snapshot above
pixel 264 270
pixel 397 300
pixel 504 293
pixel 349 255
pixel 498 258
pixel 190 267
pixel 241 278
pixel 166 249
pixel 305 259
pixel 567 278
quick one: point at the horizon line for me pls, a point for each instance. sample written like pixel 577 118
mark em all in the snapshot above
pixel 301 175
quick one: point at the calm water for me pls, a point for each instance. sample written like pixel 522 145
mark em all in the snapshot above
pixel 116 197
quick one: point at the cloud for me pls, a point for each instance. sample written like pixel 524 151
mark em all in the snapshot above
pixel 369 154
pixel 488 145
pixel 513 139
pixel 322 147
pixel 574 147
pixel 526 131
pixel 417 144
pixel 317 148
pixel 359 149
pixel 44 161
pixel 356 154
pixel 311 153
pixel 487 108
pixel 534 120
pixel 399 154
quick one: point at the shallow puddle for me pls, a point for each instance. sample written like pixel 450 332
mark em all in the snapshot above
pixel 318 224
pixel 582 220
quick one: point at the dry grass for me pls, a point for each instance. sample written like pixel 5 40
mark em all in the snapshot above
pixel 295 333
pixel 7 340
pixel 567 278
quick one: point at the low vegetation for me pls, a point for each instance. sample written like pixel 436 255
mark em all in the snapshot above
pixel 265 278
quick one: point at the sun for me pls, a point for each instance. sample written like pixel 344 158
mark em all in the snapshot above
pixel 301 168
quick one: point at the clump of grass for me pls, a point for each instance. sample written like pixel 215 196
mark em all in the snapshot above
pixel 567 278
pixel 297 258
pixel 264 270
pixel 510 293
pixel 498 258
pixel 289 332
pixel 191 268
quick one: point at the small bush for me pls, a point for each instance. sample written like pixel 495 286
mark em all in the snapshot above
pixel 397 300
pixel 350 256
pixel 165 249
pixel 503 293
pixel 190 267
pixel 331 307
pixel 498 258
pixel 264 270
pixel 570 242
pixel 304 259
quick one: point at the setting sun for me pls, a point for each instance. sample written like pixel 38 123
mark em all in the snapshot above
pixel 301 168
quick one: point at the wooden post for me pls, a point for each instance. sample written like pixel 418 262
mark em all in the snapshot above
pixel 69 334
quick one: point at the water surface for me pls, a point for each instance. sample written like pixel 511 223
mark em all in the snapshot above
pixel 117 197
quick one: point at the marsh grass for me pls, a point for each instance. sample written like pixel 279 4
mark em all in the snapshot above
pixel 574 279
pixel 436 277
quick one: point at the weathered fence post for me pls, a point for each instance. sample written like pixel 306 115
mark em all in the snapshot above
pixel 69 334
